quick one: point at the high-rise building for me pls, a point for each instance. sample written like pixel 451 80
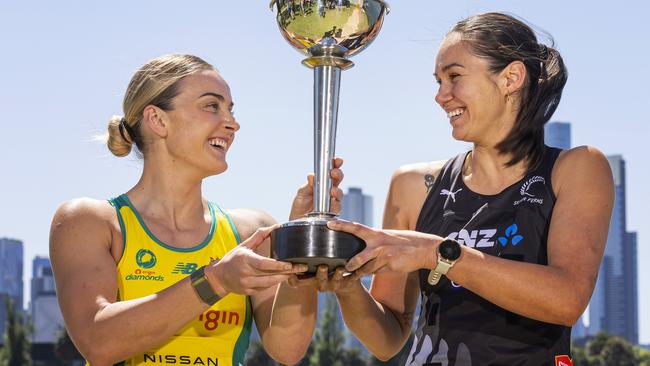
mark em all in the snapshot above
pixel 558 134
pixel 357 207
pixel 613 307
pixel 11 277
pixel 47 319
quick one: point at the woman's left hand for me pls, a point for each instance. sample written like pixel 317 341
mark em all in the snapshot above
pixel 339 281
pixel 389 250
pixel 303 203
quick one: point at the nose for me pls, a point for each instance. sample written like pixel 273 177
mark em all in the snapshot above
pixel 443 95
pixel 231 122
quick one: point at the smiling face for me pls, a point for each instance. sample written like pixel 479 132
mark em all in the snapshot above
pixel 473 97
pixel 201 126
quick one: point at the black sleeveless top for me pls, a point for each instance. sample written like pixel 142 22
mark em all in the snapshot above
pixel 457 327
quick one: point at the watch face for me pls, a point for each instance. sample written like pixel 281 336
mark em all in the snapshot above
pixel 449 249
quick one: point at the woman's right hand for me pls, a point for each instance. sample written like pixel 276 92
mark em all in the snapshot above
pixel 339 282
pixel 243 271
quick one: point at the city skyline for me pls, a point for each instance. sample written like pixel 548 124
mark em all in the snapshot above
pixel 71 62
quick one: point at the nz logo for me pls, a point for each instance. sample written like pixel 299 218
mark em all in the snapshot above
pixel 480 238
pixel 185 268
pixel 527 191
pixel 452 194
pixel 145 258
pixel 511 236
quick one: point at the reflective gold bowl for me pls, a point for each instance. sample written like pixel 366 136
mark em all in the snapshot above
pixel 353 24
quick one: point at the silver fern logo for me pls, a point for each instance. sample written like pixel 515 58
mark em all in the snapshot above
pixel 527 191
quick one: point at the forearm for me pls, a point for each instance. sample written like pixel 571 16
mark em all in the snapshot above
pixel 122 329
pixel 540 292
pixel 292 323
pixel 375 325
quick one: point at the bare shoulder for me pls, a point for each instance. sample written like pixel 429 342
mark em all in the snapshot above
pixel 82 228
pixel 416 177
pixel 583 164
pixel 418 170
pixel 248 220
pixel 409 187
pixel 86 215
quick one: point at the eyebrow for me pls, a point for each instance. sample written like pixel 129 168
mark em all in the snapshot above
pixel 449 66
pixel 218 96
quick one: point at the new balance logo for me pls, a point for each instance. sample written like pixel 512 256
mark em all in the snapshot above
pixel 446 192
pixel 185 268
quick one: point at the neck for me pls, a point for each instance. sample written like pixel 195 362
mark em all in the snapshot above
pixel 486 170
pixel 169 195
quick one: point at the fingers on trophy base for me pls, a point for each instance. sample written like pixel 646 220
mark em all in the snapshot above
pixel 314 244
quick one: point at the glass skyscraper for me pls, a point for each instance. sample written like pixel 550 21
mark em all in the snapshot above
pixel 47 319
pixel 11 277
pixel 357 207
pixel 558 134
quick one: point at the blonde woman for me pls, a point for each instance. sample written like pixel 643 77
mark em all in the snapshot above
pixel 160 274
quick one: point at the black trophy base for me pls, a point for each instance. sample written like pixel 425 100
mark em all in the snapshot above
pixel 312 243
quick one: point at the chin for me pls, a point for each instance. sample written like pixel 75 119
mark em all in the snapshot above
pixel 460 135
pixel 216 169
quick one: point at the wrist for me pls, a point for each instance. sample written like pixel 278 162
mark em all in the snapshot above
pixel 213 275
pixel 430 254
pixel 348 291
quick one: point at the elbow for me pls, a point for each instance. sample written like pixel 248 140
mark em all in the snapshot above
pixel 96 357
pixel 288 356
pixel 383 357
pixel 96 353
pixel 569 312
pixel 287 353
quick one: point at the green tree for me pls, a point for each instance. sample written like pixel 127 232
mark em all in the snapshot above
pixel 16 350
pixel 328 346
pixel 579 356
pixel 617 351
pixel 595 347
pixel 257 356
pixel 642 356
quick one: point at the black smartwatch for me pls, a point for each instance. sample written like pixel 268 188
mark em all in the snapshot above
pixel 202 287
pixel 448 253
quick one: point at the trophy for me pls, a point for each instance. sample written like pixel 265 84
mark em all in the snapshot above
pixel 327 31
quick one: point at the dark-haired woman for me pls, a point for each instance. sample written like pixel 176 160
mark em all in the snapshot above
pixel 159 274
pixel 504 243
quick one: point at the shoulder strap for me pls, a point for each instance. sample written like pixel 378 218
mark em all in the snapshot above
pixel 447 178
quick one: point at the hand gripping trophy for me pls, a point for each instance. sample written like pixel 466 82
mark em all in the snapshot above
pixel 327 31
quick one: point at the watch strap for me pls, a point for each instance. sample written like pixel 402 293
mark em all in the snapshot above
pixel 441 269
pixel 202 287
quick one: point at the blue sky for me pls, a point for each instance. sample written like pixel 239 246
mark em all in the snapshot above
pixel 66 65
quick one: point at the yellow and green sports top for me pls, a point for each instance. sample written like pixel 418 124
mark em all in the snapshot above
pixel 219 336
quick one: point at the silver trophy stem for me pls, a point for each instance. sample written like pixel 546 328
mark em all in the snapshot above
pixel 327 83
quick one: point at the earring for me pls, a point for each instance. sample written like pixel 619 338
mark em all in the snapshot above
pixel 508 97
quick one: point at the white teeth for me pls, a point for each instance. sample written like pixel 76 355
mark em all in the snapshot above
pixel 455 112
pixel 218 142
